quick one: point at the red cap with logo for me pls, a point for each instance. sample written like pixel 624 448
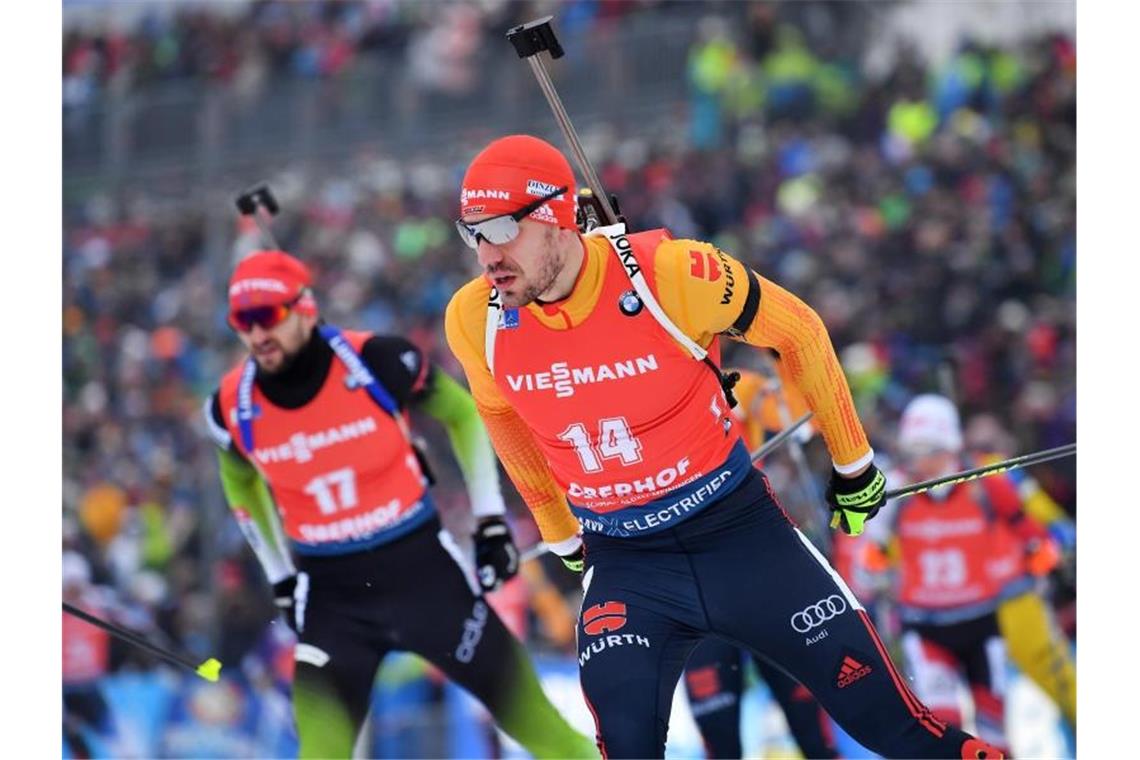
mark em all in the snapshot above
pixel 512 172
pixel 271 278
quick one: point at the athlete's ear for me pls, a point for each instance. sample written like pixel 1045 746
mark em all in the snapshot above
pixel 308 322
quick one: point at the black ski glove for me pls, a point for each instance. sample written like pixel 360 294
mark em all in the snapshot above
pixel 853 501
pixel 496 556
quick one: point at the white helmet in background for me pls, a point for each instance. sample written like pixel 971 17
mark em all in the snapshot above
pixel 930 423
pixel 76 570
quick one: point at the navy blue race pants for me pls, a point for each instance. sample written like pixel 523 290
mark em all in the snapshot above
pixel 742 571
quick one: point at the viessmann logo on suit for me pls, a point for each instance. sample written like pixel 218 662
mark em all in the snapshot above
pixel 300 446
pixel 562 377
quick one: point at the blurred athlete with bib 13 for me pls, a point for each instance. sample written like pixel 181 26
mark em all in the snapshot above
pixel 313 426
pixel 962 552
pixel 586 356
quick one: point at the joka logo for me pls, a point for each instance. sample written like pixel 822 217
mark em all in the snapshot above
pixel 850 671
pixel 630 304
pixel 624 250
pixel 606 617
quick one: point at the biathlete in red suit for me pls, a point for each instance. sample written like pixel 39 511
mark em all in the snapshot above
pixel 961 551
pixel 593 361
pixel 318 465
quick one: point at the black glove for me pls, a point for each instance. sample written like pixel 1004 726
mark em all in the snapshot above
pixel 283 599
pixel 853 501
pixel 496 557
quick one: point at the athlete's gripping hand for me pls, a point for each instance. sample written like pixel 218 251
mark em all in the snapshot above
pixel 855 500
pixel 285 601
pixel 575 554
pixel 496 557
pixel 575 561
pixel 1042 556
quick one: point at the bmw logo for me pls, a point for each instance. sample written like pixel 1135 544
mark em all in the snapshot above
pixel 629 303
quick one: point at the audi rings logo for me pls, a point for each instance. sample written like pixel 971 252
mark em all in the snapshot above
pixel 819 613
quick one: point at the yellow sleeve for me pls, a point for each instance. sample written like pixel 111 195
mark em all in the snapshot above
pixel 514 443
pixel 1039 505
pixel 701 288
pixel 464 322
pixel 704 291
pixel 796 402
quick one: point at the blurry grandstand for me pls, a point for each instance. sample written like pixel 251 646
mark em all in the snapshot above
pixel 907 168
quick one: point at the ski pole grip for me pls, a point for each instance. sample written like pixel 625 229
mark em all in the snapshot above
pixel 535 36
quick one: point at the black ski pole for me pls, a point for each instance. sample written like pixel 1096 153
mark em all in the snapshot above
pixel 208 669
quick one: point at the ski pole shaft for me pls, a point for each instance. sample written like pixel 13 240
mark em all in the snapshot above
pixel 534 552
pixel 529 40
pixel 980 472
pixel 208 669
pixel 778 439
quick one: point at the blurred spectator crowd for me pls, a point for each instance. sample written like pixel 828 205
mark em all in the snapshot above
pixel 928 215
pixel 250 44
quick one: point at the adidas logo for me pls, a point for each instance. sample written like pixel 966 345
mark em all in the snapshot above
pixel 850 671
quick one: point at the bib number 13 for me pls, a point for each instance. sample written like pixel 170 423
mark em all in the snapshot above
pixel 615 441
pixel 943 569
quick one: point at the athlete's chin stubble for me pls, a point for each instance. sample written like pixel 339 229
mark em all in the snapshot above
pixel 286 362
pixel 548 271
pixel 276 369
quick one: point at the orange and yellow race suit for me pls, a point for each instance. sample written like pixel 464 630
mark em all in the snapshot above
pixel 599 399
pixel 613 430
